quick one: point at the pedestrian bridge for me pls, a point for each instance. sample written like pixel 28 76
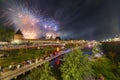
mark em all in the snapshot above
pixel 17 72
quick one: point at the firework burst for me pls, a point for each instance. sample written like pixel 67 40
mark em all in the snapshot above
pixel 30 22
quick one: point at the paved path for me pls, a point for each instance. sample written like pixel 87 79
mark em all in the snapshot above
pixel 14 47
pixel 13 74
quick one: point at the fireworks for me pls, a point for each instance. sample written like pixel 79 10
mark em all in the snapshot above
pixel 30 22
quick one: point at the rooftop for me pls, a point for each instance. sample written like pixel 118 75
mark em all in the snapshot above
pixel 19 32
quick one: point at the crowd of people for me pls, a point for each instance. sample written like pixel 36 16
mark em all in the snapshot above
pixel 13 66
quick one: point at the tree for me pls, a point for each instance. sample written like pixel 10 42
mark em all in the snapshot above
pixel 103 66
pixel 7 34
pixel 76 67
pixel 42 73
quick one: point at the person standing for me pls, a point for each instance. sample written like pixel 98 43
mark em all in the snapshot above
pixel 1 68
pixel 101 77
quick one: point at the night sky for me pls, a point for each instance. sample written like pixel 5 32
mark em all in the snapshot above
pixel 81 19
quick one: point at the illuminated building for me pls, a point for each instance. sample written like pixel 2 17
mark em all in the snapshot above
pixel 18 37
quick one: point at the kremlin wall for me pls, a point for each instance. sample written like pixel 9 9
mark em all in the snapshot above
pixel 18 38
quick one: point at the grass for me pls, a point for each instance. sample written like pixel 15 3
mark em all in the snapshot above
pixel 18 56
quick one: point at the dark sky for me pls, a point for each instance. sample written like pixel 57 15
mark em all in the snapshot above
pixel 82 19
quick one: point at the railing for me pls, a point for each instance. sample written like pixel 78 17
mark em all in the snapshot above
pixel 14 74
pixel 14 47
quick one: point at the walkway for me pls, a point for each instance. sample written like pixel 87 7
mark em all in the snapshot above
pixel 13 74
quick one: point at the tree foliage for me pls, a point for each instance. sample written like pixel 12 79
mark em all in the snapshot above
pixel 103 66
pixel 76 67
pixel 6 34
pixel 42 73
